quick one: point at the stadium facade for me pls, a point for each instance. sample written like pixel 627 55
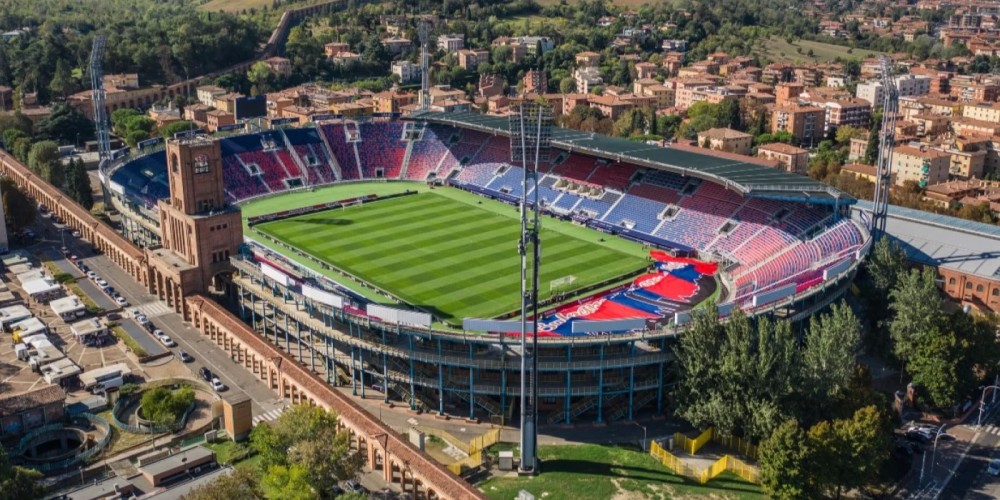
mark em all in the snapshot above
pixel 778 243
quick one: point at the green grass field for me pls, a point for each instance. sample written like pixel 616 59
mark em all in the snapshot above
pixel 443 252
pixel 777 49
pixel 574 472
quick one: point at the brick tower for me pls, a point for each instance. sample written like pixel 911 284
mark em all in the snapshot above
pixel 199 230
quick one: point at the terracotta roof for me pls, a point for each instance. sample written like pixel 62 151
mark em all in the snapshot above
pixel 782 148
pixel 859 169
pixel 724 133
pixel 922 153
pixel 444 482
pixel 17 403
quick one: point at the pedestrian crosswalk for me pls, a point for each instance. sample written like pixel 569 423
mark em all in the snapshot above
pixel 154 308
pixel 269 416
pixel 992 429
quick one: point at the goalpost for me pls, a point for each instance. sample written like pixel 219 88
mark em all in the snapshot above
pixel 353 203
pixel 560 285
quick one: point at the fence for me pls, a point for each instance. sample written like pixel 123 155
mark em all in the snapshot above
pixel 81 457
pixel 734 443
pixel 692 445
pixel 150 428
pixel 701 476
pixel 470 462
pixel 473 449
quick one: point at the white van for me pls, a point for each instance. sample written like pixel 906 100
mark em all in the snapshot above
pixel 107 385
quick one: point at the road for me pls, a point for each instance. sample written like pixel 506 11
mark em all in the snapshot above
pixel 971 482
pixel 263 399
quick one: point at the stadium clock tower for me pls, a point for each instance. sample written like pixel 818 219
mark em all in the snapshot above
pixel 199 229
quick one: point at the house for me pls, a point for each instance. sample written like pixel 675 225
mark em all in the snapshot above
pixel 726 139
pixel 919 164
pixel 333 48
pixel 805 123
pixel 279 65
pixel 218 118
pixel 396 45
pixel 534 82
pixel 588 59
pixel 587 78
pixel 789 157
pixel 451 43
pixel 471 58
pixel 406 71
pixel 207 93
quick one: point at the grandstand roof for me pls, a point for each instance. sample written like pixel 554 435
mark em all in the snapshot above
pixel 744 174
pixel 944 241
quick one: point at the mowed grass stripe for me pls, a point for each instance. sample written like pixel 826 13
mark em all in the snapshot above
pixel 443 254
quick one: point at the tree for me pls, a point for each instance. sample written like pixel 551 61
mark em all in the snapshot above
pixel 11 135
pixel 166 406
pixel 80 182
pixel 287 483
pixel 828 357
pixel 18 482
pixel 168 131
pixel 915 303
pixel 785 472
pixel 65 125
pixel 42 154
pixel 848 453
pixel 306 438
pixel 871 150
pixel 729 114
pixel 71 188
pixel 846 133
pixel 19 211
pixel 261 77
pixel 15 120
pixel 567 85
pixel 241 484
pixel 62 83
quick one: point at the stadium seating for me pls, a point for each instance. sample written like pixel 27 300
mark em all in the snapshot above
pixel 665 179
pixel 381 148
pixel 342 150
pixel 272 171
pixel 479 174
pixel 285 157
pixel 641 211
pixel 239 183
pixel 426 154
pixel 614 175
pixel 575 167
pixel 511 181
pixel 654 192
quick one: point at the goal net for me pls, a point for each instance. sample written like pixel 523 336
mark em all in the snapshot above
pixel 561 284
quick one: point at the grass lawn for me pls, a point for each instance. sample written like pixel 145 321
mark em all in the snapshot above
pixel 777 49
pixel 227 451
pixel 446 253
pixel 574 472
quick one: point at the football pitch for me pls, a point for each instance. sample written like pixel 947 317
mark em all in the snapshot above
pixel 451 257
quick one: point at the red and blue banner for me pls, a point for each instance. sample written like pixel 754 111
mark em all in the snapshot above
pixel 676 284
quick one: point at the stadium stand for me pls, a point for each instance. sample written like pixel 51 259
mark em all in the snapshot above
pixel 575 167
pixel 272 171
pixel 426 155
pixel 381 150
pixel 342 150
pixel 239 183
pixel 613 175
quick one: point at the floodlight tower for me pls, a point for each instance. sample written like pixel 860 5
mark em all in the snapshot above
pixel 530 139
pixel 97 98
pixel 883 176
pixel 423 29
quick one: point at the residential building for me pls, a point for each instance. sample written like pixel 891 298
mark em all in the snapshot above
pixel 207 93
pixel 588 59
pixel 333 48
pixel 645 70
pixel 610 106
pixel 911 84
pixel 790 158
pixel 218 118
pixel 406 71
pixel 471 58
pixel 396 45
pixel 871 92
pixel 847 112
pixel 726 139
pixel 806 123
pixel 986 111
pixel 534 82
pixel 451 43
pixel 587 78
pixel 279 65
pixel 922 165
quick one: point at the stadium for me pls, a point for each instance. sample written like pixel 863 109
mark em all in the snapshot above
pixel 369 242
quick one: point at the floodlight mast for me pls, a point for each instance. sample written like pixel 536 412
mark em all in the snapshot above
pixel 887 139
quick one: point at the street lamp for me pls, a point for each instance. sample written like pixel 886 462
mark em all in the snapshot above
pixel 982 402
pixel 643 435
pixel 937 435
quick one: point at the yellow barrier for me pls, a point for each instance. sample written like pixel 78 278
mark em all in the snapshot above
pixel 485 441
pixel 469 462
pixel 741 446
pixel 692 445
pixel 726 463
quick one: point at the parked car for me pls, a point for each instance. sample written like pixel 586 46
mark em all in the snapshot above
pixel 91 274
pixel 217 384
pixel 185 357
pixel 113 316
pixel 918 435
pixel 354 486
pixel 74 258
pixel 142 319
pixel 205 374
pixel 158 333
pixel 76 234
pixel 102 282
pixel 167 341
pixel 121 301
